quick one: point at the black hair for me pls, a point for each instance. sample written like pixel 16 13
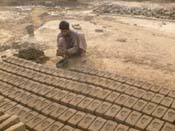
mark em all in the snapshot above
pixel 64 25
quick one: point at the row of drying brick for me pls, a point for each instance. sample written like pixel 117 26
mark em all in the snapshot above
pixel 144 107
pixel 92 90
pixel 91 77
pixel 102 82
pixel 114 109
pixel 36 119
pixel 32 119
pixel 10 123
pixel 131 102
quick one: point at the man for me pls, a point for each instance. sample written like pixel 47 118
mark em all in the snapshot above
pixel 69 42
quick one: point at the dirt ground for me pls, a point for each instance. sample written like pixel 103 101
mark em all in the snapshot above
pixel 142 49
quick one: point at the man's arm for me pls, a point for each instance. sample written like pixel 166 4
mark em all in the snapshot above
pixel 75 47
pixel 60 46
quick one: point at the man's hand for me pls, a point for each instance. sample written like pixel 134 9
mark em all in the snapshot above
pixel 62 53
pixel 59 53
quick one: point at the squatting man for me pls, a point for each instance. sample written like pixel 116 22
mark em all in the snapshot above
pixel 70 43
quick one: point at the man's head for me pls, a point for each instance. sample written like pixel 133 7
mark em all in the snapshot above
pixel 64 27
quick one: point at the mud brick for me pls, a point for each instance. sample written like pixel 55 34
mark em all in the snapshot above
pixel 122 99
pixel 109 126
pixel 155 88
pixel 84 103
pixel 24 84
pixel 33 99
pixel 27 98
pixel 172 93
pixel 9 122
pixel 122 79
pixel 115 86
pixel 14 110
pixel 168 127
pixel 77 130
pixel 155 125
pixel 138 83
pixel 173 105
pixel 68 98
pixel 139 93
pixel 44 90
pixel 167 101
pixel 86 121
pixel 61 94
pixel 159 111
pixel 86 89
pixel 67 115
pixel 44 125
pixel 17 127
pixel 139 105
pixel 112 111
pixel 3 102
pixel 122 88
pixel 157 98
pixel 143 122
pixel 103 108
pixel 147 86
pixel 76 118
pixel 130 101
pixel 148 95
pixel 76 100
pixel 23 113
pixel 77 87
pixel 164 91
pixel 42 105
pixel 10 93
pixel 95 91
pixel 29 116
pixel 55 127
pixel 67 128
pixel 4 117
pixel 37 101
pixel 103 94
pixel 132 129
pixel 130 81
pixel 97 124
pixel 122 127
pixel 7 91
pixel 123 114
pixel 21 96
pixel 60 110
pixel 35 121
pixel 133 118
pixel 52 93
pixel 131 90
pixel 112 96
pixel 7 106
pixel 1 97
pixel 34 87
pixel 107 82
pixel 170 115
pixel 93 105
pixel 49 109
pixel 149 108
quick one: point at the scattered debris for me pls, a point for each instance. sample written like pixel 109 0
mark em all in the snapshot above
pixel 122 40
pixel 77 27
pixel 30 30
pixel 161 13
pixel 99 30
